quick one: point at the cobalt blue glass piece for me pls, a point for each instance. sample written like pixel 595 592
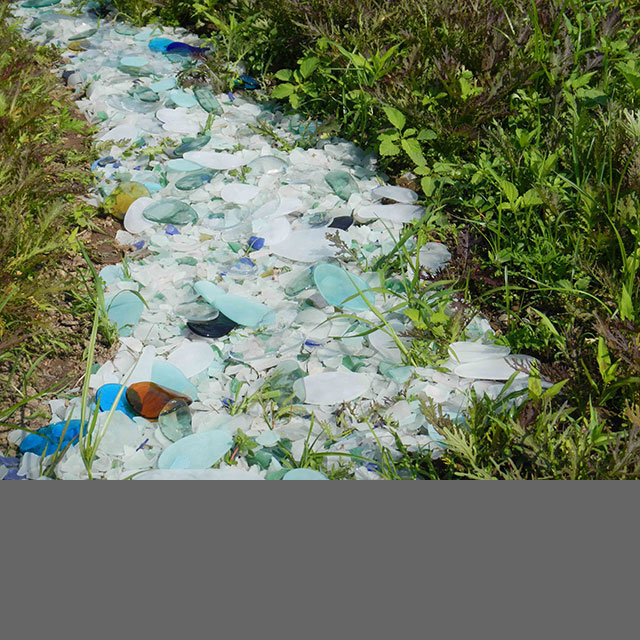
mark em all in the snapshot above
pixel 230 96
pixel 12 474
pixel 37 442
pixel 341 222
pixel 9 462
pixel 102 162
pixel 139 245
pixel 248 261
pixel 171 230
pixel 216 328
pixel 255 243
pixel 183 49
pixel 248 82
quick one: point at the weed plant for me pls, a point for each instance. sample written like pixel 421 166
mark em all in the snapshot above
pixel 519 122
pixel 44 154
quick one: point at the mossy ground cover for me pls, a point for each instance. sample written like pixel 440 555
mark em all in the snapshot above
pixel 45 157
pixel 519 123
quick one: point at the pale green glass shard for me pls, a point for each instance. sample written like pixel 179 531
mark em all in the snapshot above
pixel 170 211
pixel 207 100
pixel 83 34
pixel 343 185
pixel 194 180
pixel 175 420
pixel 191 144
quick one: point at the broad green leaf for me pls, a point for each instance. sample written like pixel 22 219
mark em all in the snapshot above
pixel 509 190
pixel 414 150
pixel 308 66
pixel 604 359
pixel 389 136
pixel 389 148
pixel 581 81
pixel 552 392
pixel 626 305
pixel 284 74
pixel 592 94
pixel 534 383
pixel 283 90
pixel 294 99
pixel 631 74
pixel 428 186
pixel 396 118
pixel 531 198
pixel 414 316
pixel 427 134
pixel 439 317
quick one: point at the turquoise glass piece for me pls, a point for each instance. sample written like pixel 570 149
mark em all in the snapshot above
pixel 171 212
pixel 209 291
pixel 167 375
pixel 180 164
pixel 396 373
pixel 106 397
pixel 163 85
pixel 268 439
pixel 191 144
pixel 111 273
pixel 197 451
pixel 36 4
pixel 124 310
pixel 51 438
pixel 304 474
pixel 133 61
pixel 195 180
pixel 243 311
pixel 337 285
pixel 159 45
pixel 87 33
pixel 182 98
pixel 343 185
pixel 175 420
pixel 207 100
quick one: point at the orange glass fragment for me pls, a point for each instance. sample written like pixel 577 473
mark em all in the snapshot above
pixel 148 398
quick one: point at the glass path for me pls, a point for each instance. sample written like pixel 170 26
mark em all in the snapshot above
pixel 242 306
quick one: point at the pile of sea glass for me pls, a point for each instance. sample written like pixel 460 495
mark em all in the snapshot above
pixel 242 307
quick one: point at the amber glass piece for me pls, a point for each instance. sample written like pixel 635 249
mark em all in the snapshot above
pixel 148 398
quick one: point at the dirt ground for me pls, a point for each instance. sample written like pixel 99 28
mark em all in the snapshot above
pixel 67 367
